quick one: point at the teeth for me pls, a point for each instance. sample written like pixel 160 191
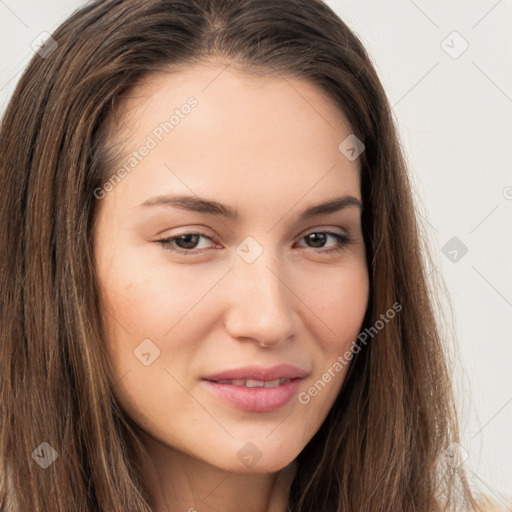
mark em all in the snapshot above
pixel 272 383
pixel 252 383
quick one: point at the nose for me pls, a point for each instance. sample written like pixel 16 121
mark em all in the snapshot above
pixel 260 302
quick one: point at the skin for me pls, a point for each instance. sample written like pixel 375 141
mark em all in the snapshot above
pixel 269 148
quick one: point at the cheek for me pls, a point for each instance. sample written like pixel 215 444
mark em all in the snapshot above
pixel 352 301
pixel 150 298
pixel 158 301
pixel 338 299
pixel 340 304
pixel 157 314
pixel 170 304
pixel 148 338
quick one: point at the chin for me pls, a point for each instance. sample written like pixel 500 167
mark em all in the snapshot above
pixel 250 459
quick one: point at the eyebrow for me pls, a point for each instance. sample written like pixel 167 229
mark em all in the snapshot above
pixel 198 204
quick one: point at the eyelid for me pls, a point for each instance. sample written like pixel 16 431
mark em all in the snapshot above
pixel 330 229
pixel 193 231
pixel 190 232
pixel 343 238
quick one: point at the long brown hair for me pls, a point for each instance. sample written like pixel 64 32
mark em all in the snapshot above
pixel 381 446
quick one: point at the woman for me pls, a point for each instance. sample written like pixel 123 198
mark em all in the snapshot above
pixel 172 173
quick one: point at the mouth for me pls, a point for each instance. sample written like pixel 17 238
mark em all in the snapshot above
pixel 257 374
pixel 255 389
pixel 253 383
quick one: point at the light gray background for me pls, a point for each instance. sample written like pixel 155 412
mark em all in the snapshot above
pixel 454 116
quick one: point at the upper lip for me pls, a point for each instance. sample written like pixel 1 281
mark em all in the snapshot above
pixel 281 371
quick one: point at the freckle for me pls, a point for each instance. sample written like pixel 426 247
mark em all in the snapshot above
pixel 129 286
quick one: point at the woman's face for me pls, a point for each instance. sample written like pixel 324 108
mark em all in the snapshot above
pixel 276 284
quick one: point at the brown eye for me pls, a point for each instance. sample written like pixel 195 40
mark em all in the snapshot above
pixel 186 243
pixel 318 239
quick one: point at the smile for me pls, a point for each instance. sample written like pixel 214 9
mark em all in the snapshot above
pixel 252 383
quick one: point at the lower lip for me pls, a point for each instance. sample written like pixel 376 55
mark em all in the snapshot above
pixel 256 399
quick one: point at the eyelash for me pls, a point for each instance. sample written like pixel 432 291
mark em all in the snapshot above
pixel 341 241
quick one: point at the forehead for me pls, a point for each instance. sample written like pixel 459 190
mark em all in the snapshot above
pixel 249 133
